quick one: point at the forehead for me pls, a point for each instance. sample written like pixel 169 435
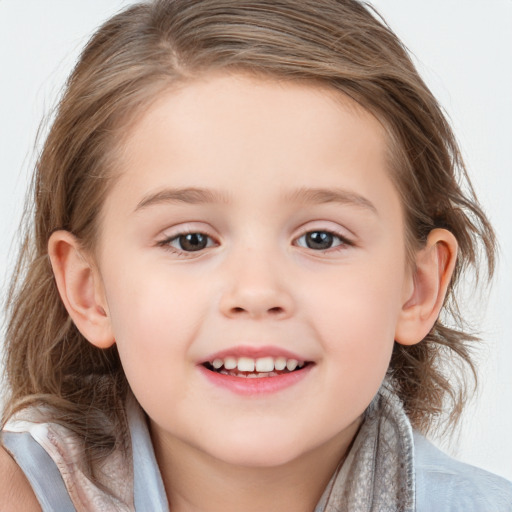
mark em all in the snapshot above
pixel 254 139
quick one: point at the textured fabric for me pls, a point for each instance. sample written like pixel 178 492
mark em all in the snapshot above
pixel 33 460
pixel 378 472
pixel 389 468
pixel 111 492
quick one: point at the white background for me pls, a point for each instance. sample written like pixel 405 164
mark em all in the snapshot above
pixel 463 50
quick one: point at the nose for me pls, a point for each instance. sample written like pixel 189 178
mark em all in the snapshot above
pixel 255 288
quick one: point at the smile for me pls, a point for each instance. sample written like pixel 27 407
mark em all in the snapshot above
pixel 247 367
pixel 261 374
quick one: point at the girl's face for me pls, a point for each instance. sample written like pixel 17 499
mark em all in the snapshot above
pixel 254 220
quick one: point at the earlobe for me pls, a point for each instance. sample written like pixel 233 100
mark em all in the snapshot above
pixel 434 266
pixel 80 288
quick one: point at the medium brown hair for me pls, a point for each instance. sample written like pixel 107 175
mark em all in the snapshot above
pixel 149 47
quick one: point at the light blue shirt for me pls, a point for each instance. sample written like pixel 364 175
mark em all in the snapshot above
pixel 444 484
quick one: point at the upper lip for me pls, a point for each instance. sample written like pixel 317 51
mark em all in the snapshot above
pixel 254 353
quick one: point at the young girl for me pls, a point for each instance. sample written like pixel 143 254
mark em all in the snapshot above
pixel 248 217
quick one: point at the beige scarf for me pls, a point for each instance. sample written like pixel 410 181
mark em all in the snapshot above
pixel 378 472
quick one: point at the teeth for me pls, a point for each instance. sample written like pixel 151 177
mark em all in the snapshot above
pixel 280 363
pixel 245 364
pixel 291 364
pixel 230 363
pixel 263 367
pixel 265 364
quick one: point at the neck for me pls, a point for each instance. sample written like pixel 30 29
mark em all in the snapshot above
pixel 196 482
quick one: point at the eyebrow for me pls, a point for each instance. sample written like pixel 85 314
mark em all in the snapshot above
pixel 190 195
pixel 327 195
pixel 193 195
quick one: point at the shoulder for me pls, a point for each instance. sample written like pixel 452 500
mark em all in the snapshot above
pixel 445 484
pixel 15 491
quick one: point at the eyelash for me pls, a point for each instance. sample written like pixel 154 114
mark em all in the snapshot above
pixel 165 243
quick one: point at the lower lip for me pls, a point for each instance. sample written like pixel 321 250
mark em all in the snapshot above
pixel 256 386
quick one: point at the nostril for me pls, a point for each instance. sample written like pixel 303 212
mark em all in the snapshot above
pixel 277 310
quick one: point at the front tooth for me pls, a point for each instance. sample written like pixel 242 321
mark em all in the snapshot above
pixel 291 364
pixel 280 363
pixel 265 364
pixel 245 364
pixel 230 363
pixel 217 363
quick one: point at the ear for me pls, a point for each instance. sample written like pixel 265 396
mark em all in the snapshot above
pixel 81 289
pixel 431 275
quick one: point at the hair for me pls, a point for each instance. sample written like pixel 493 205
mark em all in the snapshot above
pixel 150 47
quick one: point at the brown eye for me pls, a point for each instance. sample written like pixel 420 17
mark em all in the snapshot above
pixel 192 241
pixel 187 242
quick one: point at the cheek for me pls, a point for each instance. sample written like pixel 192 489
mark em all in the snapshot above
pixel 359 303
pixel 152 304
pixel 154 324
pixel 356 321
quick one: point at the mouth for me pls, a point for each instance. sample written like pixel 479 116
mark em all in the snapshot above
pixel 255 371
pixel 255 368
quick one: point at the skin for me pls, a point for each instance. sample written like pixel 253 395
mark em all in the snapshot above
pixel 257 282
pixel 15 490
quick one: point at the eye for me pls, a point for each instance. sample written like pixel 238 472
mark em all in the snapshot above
pixel 187 242
pixel 322 240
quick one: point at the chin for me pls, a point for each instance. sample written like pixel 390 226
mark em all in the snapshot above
pixel 259 451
